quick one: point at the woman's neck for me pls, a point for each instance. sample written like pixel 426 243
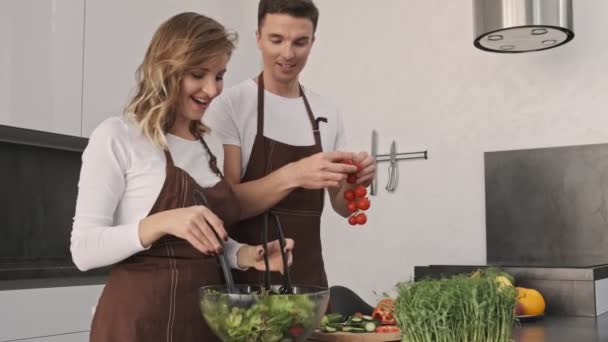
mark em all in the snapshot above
pixel 181 128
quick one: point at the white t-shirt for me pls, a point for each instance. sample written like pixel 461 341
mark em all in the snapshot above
pixel 233 116
pixel 121 177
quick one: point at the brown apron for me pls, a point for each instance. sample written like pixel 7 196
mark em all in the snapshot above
pixel 299 212
pixel 153 295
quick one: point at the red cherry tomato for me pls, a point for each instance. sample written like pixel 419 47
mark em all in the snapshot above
pixel 351 179
pixel 352 220
pixel 351 206
pixel 361 218
pixel 296 330
pixel 363 203
pixel 359 167
pixel 349 195
pixel 382 329
pixel 392 328
pixel 360 191
pixel 387 329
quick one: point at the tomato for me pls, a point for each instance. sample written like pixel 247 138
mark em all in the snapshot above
pixel 385 318
pixel 349 195
pixel 387 329
pixel 386 304
pixel 351 206
pixel 363 203
pixel 358 314
pixel 381 329
pixel 351 179
pixel 359 167
pixel 384 312
pixel 352 220
pixel 296 330
pixel 361 218
pixel 360 191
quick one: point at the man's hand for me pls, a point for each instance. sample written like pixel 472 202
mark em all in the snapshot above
pixel 368 168
pixel 321 170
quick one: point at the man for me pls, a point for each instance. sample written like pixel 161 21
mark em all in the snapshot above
pixel 282 143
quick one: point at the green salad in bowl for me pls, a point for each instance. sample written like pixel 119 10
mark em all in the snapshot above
pixel 255 314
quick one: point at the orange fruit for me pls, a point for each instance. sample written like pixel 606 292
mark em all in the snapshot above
pixel 530 301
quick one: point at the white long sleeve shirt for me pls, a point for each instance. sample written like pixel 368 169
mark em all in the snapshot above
pixel 121 177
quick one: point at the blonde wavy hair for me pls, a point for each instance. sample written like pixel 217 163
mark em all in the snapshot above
pixel 183 42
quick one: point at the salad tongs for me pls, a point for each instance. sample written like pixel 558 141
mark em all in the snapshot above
pixel 199 199
pixel 286 288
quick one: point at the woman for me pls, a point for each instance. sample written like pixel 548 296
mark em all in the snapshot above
pixel 152 201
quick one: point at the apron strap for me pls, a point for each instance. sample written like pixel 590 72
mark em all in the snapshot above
pixel 261 104
pixel 311 116
pixel 169 159
pixel 212 157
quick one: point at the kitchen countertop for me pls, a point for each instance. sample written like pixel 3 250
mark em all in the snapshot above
pixel 563 329
pixel 50 273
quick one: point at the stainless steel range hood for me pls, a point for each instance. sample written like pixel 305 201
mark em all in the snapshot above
pixel 513 26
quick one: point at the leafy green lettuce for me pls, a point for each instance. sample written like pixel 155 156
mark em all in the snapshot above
pixel 270 318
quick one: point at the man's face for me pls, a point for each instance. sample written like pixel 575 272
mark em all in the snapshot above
pixel 285 43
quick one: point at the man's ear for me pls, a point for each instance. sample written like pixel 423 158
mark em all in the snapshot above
pixel 258 38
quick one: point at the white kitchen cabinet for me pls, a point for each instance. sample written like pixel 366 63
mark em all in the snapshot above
pixel 70 337
pixel 41 45
pixel 33 313
pixel 117 34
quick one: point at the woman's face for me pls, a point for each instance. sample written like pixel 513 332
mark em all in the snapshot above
pixel 199 86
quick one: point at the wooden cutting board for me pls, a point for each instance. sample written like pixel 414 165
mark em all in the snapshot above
pixel 354 337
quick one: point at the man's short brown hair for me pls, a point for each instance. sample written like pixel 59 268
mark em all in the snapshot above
pixel 295 8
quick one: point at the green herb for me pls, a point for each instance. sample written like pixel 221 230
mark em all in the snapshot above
pixel 457 309
pixel 270 318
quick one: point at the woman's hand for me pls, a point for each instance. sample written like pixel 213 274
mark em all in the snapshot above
pixel 194 224
pixel 253 256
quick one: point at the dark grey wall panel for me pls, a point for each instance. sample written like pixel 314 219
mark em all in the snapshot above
pixel 37 205
pixel 38 187
pixel 547 207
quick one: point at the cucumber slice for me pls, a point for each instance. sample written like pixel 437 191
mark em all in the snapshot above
pixel 347 328
pixel 367 318
pixel 334 318
pixel 329 329
pixel 356 319
pixel 369 326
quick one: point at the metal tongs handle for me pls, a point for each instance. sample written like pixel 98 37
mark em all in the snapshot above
pixel 200 199
pixel 286 288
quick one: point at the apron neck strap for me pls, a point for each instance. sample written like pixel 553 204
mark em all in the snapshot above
pixel 212 158
pixel 168 158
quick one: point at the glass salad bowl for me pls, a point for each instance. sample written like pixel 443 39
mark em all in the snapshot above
pixel 253 313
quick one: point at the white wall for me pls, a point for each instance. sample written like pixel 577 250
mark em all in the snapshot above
pixel 65 65
pixel 409 69
pixel 41 64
